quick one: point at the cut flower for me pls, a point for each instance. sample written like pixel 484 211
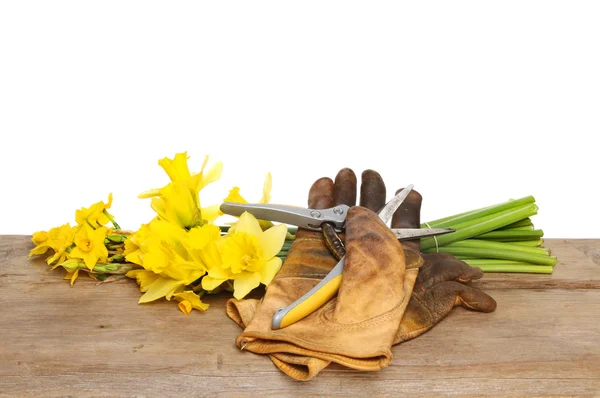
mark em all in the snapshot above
pixel 89 245
pixel 248 257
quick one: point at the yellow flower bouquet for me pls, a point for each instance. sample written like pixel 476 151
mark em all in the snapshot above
pixel 181 253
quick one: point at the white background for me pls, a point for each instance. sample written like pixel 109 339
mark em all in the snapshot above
pixel 472 102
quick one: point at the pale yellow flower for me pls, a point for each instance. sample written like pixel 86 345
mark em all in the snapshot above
pixel 55 239
pixel 96 215
pixel 179 201
pixel 90 245
pixel 248 257
pixel 169 259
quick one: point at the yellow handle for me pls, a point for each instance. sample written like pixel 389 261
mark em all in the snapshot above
pixel 312 300
pixel 312 303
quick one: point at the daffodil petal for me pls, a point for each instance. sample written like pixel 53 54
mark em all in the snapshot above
pixel 272 240
pixel 151 193
pixel 144 278
pixel 218 272
pixel 159 206
pixel 212 175
pixel 267 189
pixel 248 224
pixel 161 287
pixel 234 196
pixel 133 273
pixel 209 283
pixel 176 168
pixel 269 270
pixel 244 283
pixel 134 257
pixel 38 250
pixel 211 213
pixel 193 299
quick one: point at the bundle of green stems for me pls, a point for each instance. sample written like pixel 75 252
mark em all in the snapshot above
pixel 497 238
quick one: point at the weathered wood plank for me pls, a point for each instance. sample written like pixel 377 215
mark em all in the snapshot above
pixel 92 340
pixel 70 346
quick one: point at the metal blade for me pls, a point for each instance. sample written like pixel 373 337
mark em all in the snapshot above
pixel 390 208
pixel 417 233
pixel 302 217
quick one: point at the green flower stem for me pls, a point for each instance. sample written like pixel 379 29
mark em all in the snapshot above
pixel 478 226
pixel 532 243
pixel 508 267
pixel 498 254
pixel 523 223
pixel 116 238
pixel 524 228
pixel 491 245
pixel 509 235
pixel 449 222
pixel 112 220
pixel 494 261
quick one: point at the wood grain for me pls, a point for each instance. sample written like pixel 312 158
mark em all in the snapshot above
pixel 89 340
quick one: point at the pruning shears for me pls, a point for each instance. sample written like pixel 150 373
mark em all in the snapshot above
pixel 315 219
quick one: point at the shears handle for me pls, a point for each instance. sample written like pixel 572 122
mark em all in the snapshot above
pixel 312 300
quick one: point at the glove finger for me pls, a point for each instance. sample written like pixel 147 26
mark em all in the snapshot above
pixel 345 188
pixel 299 367
pixel 469 297
pixel 424 311
pixel 408 215
pixel 442 267
pixel 241 311
pixel 372 191
pixel 321 194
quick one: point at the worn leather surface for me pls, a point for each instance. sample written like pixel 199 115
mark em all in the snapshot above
pixel 442 283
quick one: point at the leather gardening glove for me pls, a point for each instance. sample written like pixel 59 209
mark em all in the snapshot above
pixel 356 328
pixel 441 283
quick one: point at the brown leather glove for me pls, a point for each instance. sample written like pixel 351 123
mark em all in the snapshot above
pixel 356 328
pixel 441 284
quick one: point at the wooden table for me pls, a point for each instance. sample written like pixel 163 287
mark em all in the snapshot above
pixel 95 340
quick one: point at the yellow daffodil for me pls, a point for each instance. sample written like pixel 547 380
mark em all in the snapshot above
pixel 189 300
pixel 89 245
pixel 96 215
pixel 248 257
pixel 162 249
pixel 54 239
pixel 179 201
pixel 60 255
pixel 234 196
